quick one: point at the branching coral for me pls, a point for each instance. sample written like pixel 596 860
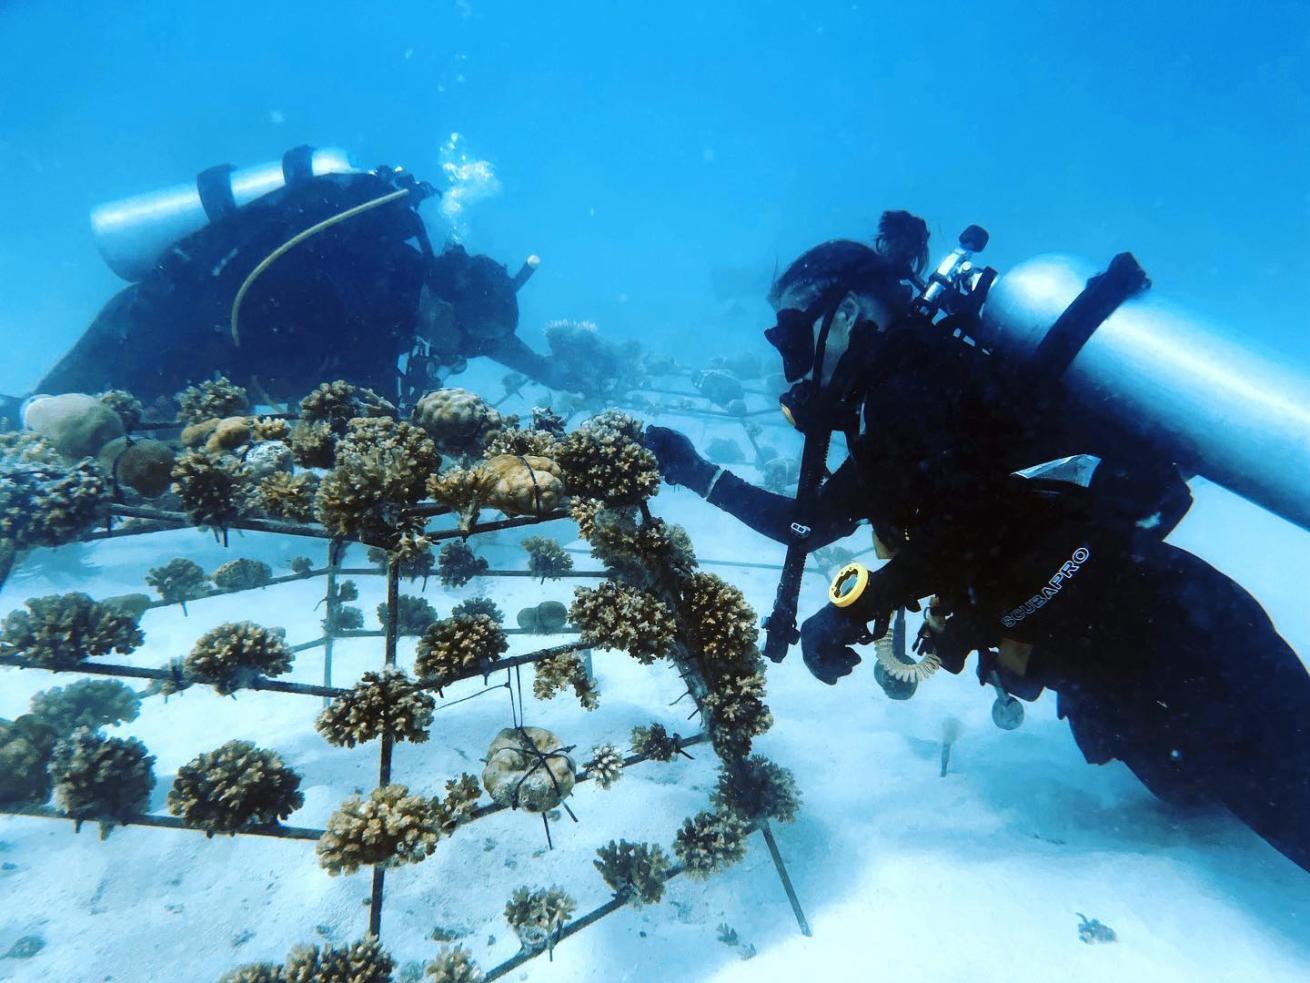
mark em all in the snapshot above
pixel 584 512
pixel 269 428
pixel 639 554
pixel 459 803
pixel 215 398
pixel 390 827
pixel 212 489
pixel 455 646
pixel 454 964
pixel 537 915
pixel 127 406
pixel 737 712
pixel 287 496
pixel 343 618
pixel 301 565
pixel 546 558
pixel 636 871
pixel 413 563
pixel 91 703
pixel 313 444
pixel 457 420
pixel 255 973
pixel 242 574
pixel 604 458
pixel 413 614
pixel 381 469
pixel 25 746
pixel 709 842
pixel 45 501
pixel 236 787
pixel 556 674
pixel 478 605
pixel 756 788
pixel 528 768
pixel 724 624
pixel 364 961
pixel 606 765
pixel 457 564
pixel 656 743
pixel 337 403
pixel 101 778
pixel 178 581
pixel 463 490
pixel 380 702
pixel 535 443
pixel 60 630
pixel 232 655
pixel 592 364
pixel 615 616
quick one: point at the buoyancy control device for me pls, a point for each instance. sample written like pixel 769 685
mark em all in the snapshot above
pixel 133 233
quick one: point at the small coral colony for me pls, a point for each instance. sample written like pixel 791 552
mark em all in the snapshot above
pixel 343 466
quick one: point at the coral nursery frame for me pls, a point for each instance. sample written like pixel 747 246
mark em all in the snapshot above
pixel 148 520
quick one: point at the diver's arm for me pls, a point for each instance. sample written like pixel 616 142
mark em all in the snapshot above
pixel 515 354
pixel 835 516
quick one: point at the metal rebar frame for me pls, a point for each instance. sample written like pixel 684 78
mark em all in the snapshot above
pixel 154 520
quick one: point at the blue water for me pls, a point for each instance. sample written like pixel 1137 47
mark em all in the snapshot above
pixel 640 147
pixel 664 160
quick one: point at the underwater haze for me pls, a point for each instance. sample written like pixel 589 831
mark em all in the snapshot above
pixel 666 163
pixel 639 149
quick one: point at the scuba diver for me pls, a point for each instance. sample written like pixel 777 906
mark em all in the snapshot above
pixel 1033 516
pixel 286 275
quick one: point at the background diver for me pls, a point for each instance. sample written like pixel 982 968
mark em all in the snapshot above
pixel 1057 581
pixel 330 275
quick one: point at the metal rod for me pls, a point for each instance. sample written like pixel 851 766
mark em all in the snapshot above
pixel 253 525
pixel 572 928
pixel 141 672
pixel 289 578
pixel 163 822
pixel 331 604
pixel 785 878
pixel 377 896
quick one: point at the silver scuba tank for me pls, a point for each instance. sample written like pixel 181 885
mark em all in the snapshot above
pixel 1158 371
pixel 133 233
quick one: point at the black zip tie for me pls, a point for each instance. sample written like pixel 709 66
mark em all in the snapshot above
pixel 536 488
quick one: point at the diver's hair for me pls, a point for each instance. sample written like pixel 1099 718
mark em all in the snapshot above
pixel 479 288
pixel 900 251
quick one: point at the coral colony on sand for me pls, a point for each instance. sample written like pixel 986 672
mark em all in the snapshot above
pixel 347 468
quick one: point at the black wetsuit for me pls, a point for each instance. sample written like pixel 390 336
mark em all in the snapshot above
pixel 342 304
pixel 1159 660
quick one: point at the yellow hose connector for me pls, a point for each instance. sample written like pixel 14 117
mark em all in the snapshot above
pixel 849 585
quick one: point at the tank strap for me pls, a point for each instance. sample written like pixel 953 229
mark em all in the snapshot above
pixel 1101 297
pixel 215 187
pixel 298 164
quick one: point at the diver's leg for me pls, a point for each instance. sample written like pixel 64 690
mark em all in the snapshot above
pixel 102 358
pixel 1228 702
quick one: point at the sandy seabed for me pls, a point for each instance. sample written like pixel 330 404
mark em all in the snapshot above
pixel 904 875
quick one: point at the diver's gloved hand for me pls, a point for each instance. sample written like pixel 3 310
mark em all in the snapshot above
pixel 826 639
pixel 678 461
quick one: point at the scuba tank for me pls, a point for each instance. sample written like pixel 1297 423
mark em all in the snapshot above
pixel 133 233
pixel 1161 374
